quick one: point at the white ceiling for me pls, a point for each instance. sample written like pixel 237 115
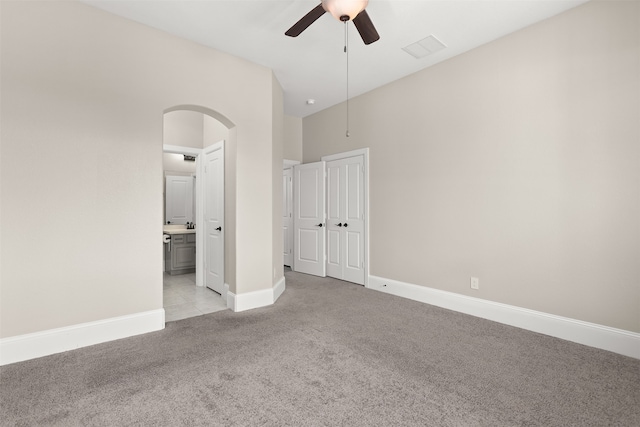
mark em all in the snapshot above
pixel 313 65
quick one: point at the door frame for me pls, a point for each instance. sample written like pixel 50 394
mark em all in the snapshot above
pixel 218 146
pixel 364 152
pixel 289 164
pixel 198 153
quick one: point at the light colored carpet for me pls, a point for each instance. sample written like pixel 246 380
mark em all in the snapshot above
pixel 328 353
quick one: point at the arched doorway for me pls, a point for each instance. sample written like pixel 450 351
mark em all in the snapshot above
pixel 208 138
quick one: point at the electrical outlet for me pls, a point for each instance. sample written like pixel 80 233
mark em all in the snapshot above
pixel 475 283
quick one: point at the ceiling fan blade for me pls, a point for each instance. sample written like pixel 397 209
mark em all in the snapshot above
pixel 365 28
pixel 306 20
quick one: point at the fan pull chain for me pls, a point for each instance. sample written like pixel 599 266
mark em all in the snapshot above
pixel 346 50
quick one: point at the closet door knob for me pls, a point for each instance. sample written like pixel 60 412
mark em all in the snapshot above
pixel 346 225
pixel 339 225
pixel 219 229
pixel 320 225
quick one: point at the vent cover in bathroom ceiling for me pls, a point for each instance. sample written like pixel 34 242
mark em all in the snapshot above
pixel 424 47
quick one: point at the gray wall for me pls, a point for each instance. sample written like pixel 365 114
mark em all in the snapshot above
pixel 83 96
pixel 516 162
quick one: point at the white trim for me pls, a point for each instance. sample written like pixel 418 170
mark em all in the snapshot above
pixel 177 149
pixel 250 300
pixel 199 214
pixel 616 340
pixel 231 300
pixel 44 343
pixel 199 217
pixel 364 152
pixel 346 154
pixel 287 164
pixel 225 293
pixel 278 289
pixel 200 236
pixel 255 299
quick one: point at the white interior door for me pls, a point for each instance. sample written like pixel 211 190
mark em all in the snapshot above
pixel 335 235
pixel 345 219
pixel 179 199
pixel 309 217
pixel 287 216
pixel 214 217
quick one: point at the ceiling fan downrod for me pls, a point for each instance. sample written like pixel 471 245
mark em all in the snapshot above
pixel 346 50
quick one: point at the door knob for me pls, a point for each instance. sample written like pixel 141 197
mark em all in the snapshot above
pixel 219 229
pixel 345 224
pixel 339 225
pixel 320 225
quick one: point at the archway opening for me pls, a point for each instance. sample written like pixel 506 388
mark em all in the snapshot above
pixel 193 130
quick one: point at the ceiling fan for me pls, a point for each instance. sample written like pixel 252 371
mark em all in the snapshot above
pixel 342 10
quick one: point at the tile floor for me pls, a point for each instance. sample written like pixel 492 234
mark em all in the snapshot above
pixel 183 299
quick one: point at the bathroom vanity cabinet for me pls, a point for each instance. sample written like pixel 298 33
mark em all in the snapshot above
pixel 180 255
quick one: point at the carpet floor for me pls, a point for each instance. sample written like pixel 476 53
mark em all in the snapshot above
pixel 328 353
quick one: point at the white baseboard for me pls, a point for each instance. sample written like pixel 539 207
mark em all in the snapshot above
pixel 230 297
pixel 256 299
pixel 616 340
pixel 278 289
pixel 52 341
pixel 249 300
pixel 225 293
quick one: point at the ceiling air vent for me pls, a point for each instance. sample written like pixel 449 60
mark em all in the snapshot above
pixel 424 47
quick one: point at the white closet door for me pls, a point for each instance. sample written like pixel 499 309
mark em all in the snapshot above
pixel 335 237
pixel 179 199
pixel 345 219
pixel 287 216
pixel 309 217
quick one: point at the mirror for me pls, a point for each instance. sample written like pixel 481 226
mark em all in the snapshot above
pixel 179 189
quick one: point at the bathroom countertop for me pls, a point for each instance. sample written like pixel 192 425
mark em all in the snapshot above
pixel 177 229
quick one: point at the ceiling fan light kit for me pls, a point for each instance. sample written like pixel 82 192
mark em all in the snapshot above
pixel 342 10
